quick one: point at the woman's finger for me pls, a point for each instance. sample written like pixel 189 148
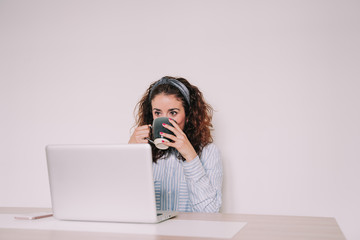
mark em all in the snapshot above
pixel 174 123
pixel 169 136
pixel 140 134
pixel 176 131
pixel 143 127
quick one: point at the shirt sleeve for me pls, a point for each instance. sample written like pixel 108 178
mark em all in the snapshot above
pixel 204 177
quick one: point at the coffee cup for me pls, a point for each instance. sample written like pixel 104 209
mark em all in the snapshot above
pixel 158 127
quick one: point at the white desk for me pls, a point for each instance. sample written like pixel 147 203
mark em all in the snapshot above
pixel 257 227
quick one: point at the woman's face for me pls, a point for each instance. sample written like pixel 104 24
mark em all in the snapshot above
pixel 168 106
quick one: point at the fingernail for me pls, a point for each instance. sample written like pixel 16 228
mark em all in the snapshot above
pixel 161 133
pixel 163 141
pixel 164 124
pixel 170 119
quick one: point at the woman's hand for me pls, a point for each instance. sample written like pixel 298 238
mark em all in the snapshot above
pixel 140 134
pixel 180 141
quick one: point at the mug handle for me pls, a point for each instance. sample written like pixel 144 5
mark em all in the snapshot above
pixel 150 140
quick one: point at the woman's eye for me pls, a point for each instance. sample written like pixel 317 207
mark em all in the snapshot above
pixel 157 113
pixel 173 113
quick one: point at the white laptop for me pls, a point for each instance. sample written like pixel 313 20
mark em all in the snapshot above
pixel 103 183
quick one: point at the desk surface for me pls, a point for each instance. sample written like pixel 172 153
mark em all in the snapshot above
pixel 258 227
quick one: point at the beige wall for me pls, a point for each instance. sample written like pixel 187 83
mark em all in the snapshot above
pixel 283 77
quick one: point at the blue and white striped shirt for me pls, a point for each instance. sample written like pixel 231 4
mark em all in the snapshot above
pixel 189 186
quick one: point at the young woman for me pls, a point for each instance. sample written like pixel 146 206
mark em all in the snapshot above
pixel 188 175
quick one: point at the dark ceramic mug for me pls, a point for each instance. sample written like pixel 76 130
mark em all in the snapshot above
pixel 158 127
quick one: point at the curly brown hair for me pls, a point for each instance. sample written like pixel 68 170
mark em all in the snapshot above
pixel 198 115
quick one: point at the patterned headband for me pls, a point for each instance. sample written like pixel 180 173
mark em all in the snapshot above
pixel 173 82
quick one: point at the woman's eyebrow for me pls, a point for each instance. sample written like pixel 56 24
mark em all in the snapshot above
pixel 169 110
